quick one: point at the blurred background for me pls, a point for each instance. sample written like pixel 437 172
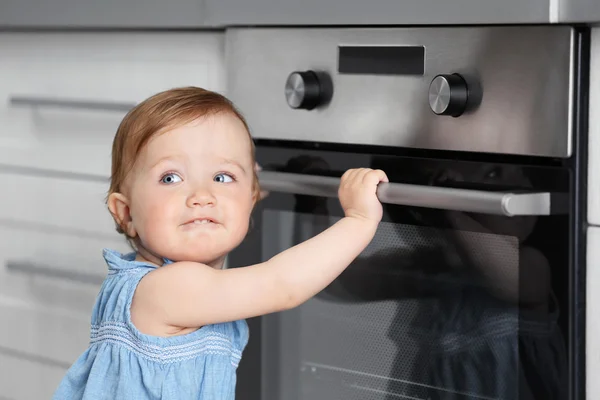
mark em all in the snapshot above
pixel 69 72
pixel 64 92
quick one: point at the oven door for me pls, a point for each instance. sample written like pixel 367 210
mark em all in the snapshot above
pixel 462 294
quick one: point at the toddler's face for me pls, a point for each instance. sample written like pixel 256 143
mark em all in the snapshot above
pixel 190 193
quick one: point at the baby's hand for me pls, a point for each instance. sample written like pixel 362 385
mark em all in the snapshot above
pixel 358 193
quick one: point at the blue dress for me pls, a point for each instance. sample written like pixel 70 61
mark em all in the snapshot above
pixel 123 363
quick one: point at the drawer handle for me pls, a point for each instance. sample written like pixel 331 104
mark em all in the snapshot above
pixel 69 103
pixel 34 269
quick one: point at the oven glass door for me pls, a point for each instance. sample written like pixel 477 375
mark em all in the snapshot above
pixel 449 301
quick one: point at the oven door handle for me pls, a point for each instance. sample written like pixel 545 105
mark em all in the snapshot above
pixel 477 201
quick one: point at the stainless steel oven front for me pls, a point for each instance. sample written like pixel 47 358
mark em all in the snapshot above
pixel 472 286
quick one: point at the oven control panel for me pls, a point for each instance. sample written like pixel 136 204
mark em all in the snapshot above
pixel 498 89
pixel 448 94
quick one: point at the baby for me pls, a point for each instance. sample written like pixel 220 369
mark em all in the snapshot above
pixel 168 322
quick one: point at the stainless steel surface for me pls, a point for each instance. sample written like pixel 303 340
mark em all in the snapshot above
pixel 524 74
pixel 374 12
pixel 439 94
pixel 69 103
pixel 508 204
pixel 294 90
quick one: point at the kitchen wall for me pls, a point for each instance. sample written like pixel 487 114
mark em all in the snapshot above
pixel 64 95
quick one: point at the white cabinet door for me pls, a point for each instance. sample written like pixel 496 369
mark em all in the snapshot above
pixel 61 204
pixel 63 95
pixel 53 270
pixel 25 377
pixel 592 316
pixel 49 280
pixel 52 232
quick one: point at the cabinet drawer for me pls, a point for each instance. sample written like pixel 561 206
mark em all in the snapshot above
pixel 23 377
pixel 40 332
pixel 49 281
pixel 66 205
pixel 61 271
pixel 64 94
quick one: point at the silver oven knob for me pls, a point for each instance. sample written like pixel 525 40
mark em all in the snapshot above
pixel 303 90
pixel 448 95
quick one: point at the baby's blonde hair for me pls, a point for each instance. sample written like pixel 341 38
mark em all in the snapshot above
pixel 163 111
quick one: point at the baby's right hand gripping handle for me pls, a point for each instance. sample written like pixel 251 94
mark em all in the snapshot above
pixel 358 194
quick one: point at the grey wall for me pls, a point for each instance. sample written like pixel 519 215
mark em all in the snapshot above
pixel 102 13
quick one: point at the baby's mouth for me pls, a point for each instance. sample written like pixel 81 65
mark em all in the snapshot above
pixel 200 221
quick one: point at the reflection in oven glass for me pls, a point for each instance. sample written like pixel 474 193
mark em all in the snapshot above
pixel 463 312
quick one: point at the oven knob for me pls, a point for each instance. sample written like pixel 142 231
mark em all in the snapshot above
pixel 304 90
pixel 448 95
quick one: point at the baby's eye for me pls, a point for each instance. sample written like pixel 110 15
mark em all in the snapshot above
pixel 223 178
pixel 170 178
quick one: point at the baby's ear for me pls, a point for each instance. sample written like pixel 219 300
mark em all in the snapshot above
pixel 118 205
pixel 258 194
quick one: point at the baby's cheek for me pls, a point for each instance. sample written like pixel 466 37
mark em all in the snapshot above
pixel 242 230
pixel 243 225
pixel 154 219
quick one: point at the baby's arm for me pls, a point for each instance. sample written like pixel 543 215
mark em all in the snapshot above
pixel 187 294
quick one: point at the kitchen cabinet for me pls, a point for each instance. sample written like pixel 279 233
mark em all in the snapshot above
pixel 376 12
pixel 59 203
pixel 592 317
pixel 45 315
pixel 105 13
pixel 41 378
pixel 52 232
pixel 63 95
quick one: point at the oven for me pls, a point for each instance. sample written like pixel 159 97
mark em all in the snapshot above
pixel 472 287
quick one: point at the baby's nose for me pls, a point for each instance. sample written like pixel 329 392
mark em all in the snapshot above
pixel 201 197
